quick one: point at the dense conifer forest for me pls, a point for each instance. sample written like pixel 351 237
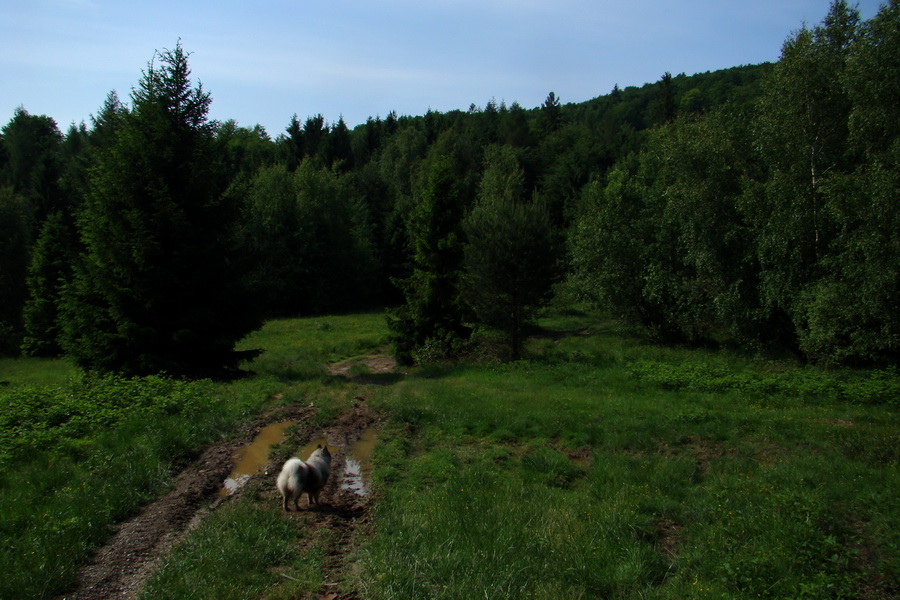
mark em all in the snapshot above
pixel 755 206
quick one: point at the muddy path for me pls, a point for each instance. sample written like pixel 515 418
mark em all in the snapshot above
pixel 345 501
pixel 138 546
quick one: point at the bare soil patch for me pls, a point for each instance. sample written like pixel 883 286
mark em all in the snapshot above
pixel 375 363
pixel 373 369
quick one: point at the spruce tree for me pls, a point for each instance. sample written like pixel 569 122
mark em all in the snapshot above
pixel 160 287
pixel 50 270
pixel 433 311
pixel 511 257
pixel 15 236
pixel 551 114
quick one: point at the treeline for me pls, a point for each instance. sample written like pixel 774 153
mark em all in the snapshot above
pixel 756 205
pixel 774 221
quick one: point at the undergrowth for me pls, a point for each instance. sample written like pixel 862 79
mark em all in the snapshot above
pixel 811 384
pixel 42 418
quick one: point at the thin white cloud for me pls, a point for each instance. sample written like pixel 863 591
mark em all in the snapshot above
pixel 262 61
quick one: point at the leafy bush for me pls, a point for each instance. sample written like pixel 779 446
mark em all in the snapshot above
pixel 879 386
pixel 40 418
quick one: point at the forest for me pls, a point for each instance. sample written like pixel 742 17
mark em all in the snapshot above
pixel 755 206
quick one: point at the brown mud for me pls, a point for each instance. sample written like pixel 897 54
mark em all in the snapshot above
pixel 373 369
pixel 343 508
pixel 138 546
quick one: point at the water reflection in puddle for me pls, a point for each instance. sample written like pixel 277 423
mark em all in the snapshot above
pixel 358 464
pixel 252 457
pixel 357 472
pixel 308 449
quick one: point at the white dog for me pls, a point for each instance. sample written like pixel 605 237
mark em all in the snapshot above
pixel 298 477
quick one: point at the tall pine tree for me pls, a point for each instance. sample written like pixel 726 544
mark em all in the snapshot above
pixel 433 311
pixel 160 287
pixel 51 268
pixel 511 253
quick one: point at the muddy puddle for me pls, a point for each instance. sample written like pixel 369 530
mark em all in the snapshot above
pixel 357 474
pixel 358 464
pixel 250 459
pixel 306 450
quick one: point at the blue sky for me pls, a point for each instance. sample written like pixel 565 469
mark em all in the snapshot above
pixel 265 60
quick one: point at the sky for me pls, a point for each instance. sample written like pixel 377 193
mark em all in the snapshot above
pixel 266 60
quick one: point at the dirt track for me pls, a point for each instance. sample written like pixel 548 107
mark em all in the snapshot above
pixel 119 569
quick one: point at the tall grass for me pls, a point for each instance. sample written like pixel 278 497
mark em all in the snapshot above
pixel 56 504
pixel 580 473
pixel 600 466
pixel 40 371
pixel 298 349
pixel 241 551
pixel 78 453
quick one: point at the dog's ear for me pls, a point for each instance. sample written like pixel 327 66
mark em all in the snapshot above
pixel 318 446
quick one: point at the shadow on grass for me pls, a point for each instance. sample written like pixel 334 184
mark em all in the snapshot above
pixel 375 378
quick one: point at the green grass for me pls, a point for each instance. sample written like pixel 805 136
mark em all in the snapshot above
pixel 78 454
pixel 722 486
pixel 31 371
pixel 46 418
pixel 57 505
pixel 298 349
pixel 600 466
pixel 241 551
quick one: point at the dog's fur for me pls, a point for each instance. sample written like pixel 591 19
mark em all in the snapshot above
pixel 298 477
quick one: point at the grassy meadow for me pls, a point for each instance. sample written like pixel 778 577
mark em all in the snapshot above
pixel 599 467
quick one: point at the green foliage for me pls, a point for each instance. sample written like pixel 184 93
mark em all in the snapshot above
pixel 160 288
pixel 309 242
pixel 615 244
pixel 433 308
pixel 754 205
pixel 272 234
pixel 510 257
pixel 848 315
pixel 76 458
pixel 50 269
pixel 32 168
pixel 803 135
pixel 246 150
pixel 667 244
pixel 30 171
pixel 337 260
pixel 812 384
pixel 39 418
pixel 551 113
pixel 15 234
pixel 783 232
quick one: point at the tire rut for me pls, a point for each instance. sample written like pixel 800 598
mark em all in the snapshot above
pixel 138 546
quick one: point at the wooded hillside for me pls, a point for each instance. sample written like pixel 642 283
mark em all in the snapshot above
pixel 756 205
